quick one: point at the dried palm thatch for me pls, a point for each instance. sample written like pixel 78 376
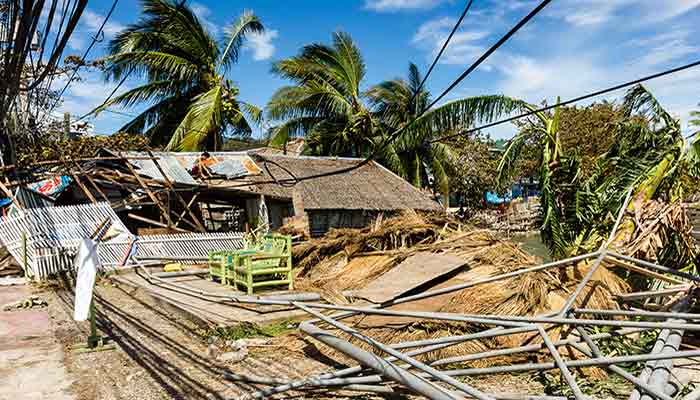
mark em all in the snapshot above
pixel 662 233
pixel 350 259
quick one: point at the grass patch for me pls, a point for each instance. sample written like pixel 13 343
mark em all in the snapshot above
pixel 246 330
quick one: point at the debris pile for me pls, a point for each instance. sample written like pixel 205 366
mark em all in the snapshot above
pixel 344 262
pixel 29 302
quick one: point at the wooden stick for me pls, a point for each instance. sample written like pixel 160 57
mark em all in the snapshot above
pixel 192 200
pixel 156 223
pixel 182 201
pixel 150 194
pixel 92 182
pixel 10 195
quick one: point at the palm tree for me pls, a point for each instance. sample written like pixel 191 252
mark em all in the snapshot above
pixel 192 103
pixel 325 103
pixel 401 105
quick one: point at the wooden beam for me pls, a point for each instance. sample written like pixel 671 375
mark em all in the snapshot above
pixel 182 201
pixel 10 195
pixel 92 182
pixel 156 223
pixel 182 215
pixel 150 194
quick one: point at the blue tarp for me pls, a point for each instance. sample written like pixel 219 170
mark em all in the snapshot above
pixel 493 198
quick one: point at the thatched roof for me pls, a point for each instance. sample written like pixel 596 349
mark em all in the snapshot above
pixel 370 187
pixel 294 147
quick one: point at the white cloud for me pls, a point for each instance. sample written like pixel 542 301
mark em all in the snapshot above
pixel 667 9
pixel 203 13
pixel 597 12
pixel 536 79
pixel 664 47
pixel 90 23
pixel 261 44
pixel 463 47
pixel 93 21
pixel 398 5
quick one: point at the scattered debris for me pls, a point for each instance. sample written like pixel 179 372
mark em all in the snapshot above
pixel 29 302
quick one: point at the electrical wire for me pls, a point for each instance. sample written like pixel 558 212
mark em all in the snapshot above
pixel 114 91
pixel 85 54
pixel 456 82
pixel 510 119
pixel 574 100
pixel 442 50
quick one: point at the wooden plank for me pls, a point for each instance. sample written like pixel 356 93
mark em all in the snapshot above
pixel 156 223
pixel 414 272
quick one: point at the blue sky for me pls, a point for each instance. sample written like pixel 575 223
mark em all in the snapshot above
pixel 573 47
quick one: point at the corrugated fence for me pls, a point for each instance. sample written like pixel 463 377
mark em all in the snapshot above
pixel 54 233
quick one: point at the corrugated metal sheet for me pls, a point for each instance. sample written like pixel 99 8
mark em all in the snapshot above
pixel 177 165
pixel 231 169
pixel 188 247
pixel 54 233
pixel 167 161
pixel 31 199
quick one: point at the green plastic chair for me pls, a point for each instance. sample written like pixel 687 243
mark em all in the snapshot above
pixel 268 264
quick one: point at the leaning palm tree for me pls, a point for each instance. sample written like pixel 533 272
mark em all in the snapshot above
pixel 192 104
pixel 401 105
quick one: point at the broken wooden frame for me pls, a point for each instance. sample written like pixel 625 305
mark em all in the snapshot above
pixel 156 192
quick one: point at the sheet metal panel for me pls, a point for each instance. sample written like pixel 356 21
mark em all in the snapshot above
pixel 53 234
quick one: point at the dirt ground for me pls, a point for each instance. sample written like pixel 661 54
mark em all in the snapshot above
pixel 162 355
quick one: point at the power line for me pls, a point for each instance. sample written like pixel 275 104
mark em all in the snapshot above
pixel 456 82
pixel 574 100
pixel 442 50
pixel 119 85
pixel 85 54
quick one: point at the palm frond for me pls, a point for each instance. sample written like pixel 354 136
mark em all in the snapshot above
pixel 203 118
pixel 144 93
pixel 235 35
pixel 458 115
pixel 639 100
pixel 254 113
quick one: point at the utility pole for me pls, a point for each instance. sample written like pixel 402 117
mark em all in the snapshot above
pixel 66 126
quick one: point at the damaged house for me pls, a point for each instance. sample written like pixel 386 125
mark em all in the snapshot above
pixel 165 194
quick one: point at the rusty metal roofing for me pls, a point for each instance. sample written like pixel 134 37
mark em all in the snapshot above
pixel 176 166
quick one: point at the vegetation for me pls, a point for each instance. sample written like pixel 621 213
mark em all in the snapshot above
pixel 647 155
pixel 395 104
pixel 192 103
pixel 695 121
pixel 247 330
pixel 326 104
pixel 473 167
pixel 50 149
